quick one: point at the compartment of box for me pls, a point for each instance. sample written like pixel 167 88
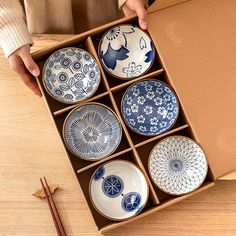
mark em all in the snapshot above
pixel 57 105
pixel 112 80
pixel 59 121
pixel 137 138
pixel 84 179
pixel 145 150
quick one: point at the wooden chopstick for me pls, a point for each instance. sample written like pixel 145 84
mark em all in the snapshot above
pixel 53 209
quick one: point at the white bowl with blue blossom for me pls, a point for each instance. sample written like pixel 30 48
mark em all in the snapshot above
pixel 71 75
pixel 126 51
pixel 118 190
pixel 149 107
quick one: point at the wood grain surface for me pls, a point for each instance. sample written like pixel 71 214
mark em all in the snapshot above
pixel 30 149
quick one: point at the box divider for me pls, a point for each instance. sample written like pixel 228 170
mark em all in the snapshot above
pixel 149 75
pixel 136 156
pixel 162 135
pixel 61 111
pixel 156 208
pixel 104 160
pixel 90 47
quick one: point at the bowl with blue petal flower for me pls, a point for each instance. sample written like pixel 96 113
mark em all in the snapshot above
pixel 126 51
pixel 71 75
pixel 118 190
pixel 92 131
pixel 149 107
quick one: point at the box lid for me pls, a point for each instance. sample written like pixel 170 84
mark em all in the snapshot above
pixel 196 41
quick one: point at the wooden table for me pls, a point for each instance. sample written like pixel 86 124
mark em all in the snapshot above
pixel 30 149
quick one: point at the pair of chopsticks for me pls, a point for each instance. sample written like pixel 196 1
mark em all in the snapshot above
pixel 53 209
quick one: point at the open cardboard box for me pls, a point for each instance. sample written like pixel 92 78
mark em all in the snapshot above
pixel 196 44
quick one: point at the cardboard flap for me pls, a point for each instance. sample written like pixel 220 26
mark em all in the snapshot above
pixel 160 4
pixel 196 41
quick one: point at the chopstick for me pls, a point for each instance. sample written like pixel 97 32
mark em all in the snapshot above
pixel 53 209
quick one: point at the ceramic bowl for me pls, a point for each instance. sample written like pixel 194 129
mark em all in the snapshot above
pixel 92 131
pixel 126 51
pixel 177 165
pixel 71 75
pixel 118 190
pixel 149 107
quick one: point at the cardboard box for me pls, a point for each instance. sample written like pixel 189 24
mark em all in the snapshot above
pixel 196 44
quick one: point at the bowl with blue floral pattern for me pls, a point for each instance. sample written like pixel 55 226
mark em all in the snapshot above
pixel 71 75
pixel 118 190
pixel 126 51
pixel 149 107
pixel 92 131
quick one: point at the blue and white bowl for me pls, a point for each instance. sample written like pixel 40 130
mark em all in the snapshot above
pixel 71 75
pixel 149 107
pixel 92 131
pixel 118 190
pixel 126 51
pixel 177 165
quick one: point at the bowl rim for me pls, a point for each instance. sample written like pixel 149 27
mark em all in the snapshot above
pixel 191 140
pixel 116 76
pixel 87 104
pixel 63 101
pixel 137 168
pixel 156 80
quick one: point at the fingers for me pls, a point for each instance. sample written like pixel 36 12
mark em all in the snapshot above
pixel 142 16
pixel 18 66
pixel 138 7
pixel 29 62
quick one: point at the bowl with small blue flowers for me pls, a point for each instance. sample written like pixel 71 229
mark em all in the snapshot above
pixel 149 107
pixel 118 190
pixel 126 51
pixel 71 75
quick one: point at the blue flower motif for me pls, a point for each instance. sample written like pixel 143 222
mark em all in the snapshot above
pixel 112 186
pixel 112 55
pixel 113 33
pixel 163 124
pixel 131 201
pixel 63 77
pixel 142 128
pixel 99 173
pixel 150 95
pixel 136 92
pixel 148 110
pixel 158 101
pixel 167 97
pixel 141 100
pixel 153 129
pixel 77 65
pixel 128 111
pixel 66 62
pixel 134 108
pixel 132 122
pixel 154 121
pixel 69 96
pixel 129 100
pixel 170 106
pixel 141 119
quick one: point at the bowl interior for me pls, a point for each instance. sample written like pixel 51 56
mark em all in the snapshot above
pixel 177 165
pixel 71 75
pixel 126 51
pixel 150 107
pixel 118 190
pixel 92 131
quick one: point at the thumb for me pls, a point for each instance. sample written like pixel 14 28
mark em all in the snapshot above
pixel 29 63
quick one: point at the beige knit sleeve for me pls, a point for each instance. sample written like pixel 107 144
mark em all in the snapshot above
pixel 13 30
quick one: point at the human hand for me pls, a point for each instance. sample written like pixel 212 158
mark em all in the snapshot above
pixel 23 64
pixel 139 7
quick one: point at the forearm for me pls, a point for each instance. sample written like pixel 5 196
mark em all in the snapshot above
pixel 13 30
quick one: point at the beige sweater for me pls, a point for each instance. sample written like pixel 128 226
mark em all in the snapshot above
pixel 14 32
